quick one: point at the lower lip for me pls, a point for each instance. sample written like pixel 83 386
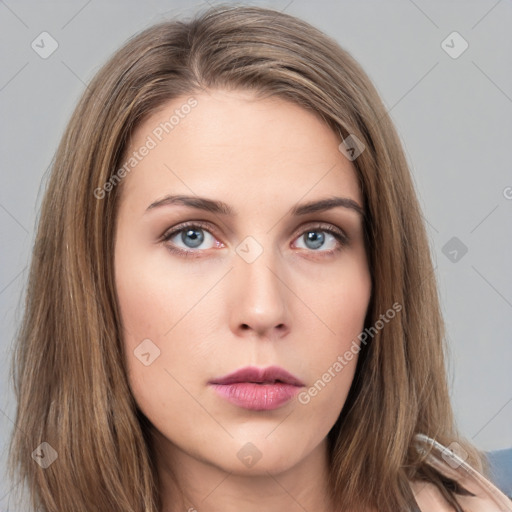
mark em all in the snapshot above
pixel 257 397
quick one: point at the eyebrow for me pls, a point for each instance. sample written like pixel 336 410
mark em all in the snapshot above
pixel 221 208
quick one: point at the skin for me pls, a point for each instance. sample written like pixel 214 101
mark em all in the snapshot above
pixel 211 312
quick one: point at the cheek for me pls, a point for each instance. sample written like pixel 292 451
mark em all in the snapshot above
pixel 161 362
pixel 332 370
pixel 342 299
pixel 323 399
pixel 154 298
pixel 343 310
pixel 165 335
pixel 147 304
pixel 145 299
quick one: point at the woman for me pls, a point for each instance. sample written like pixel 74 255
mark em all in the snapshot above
pixel 232 303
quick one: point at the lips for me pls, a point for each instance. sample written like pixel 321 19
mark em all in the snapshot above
pixel 257 389
pixel 251 374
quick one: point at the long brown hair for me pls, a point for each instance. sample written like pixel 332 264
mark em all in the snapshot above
pixel 68 372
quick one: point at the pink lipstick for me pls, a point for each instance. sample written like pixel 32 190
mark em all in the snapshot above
pixel 258 389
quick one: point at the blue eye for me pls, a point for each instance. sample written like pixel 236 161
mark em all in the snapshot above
pixel 191 236
pixel 316 238
pixel 186 238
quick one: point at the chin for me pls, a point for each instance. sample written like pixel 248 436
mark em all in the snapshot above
pixel 258 455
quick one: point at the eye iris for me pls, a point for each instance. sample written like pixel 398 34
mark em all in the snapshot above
pixel 317 237
pixel 195 235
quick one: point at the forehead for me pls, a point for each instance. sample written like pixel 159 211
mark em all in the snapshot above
pixel 234 144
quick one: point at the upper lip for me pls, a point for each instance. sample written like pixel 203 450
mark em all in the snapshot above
pixel 268 375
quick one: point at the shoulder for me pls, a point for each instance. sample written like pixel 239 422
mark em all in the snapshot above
pixel 430 499
pixel 483 495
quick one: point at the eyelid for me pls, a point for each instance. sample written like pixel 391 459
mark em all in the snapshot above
pixel 184 225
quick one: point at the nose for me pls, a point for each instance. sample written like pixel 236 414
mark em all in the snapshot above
pixel 258 298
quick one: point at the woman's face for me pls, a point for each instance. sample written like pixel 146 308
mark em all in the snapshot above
pixel 253 279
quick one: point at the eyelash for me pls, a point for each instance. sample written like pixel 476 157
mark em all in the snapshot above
pixel 338 234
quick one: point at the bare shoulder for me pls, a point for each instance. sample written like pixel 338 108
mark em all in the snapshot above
pixel 430 499
pixel 482 495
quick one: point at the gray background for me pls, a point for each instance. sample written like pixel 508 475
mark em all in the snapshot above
pixel 454 116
